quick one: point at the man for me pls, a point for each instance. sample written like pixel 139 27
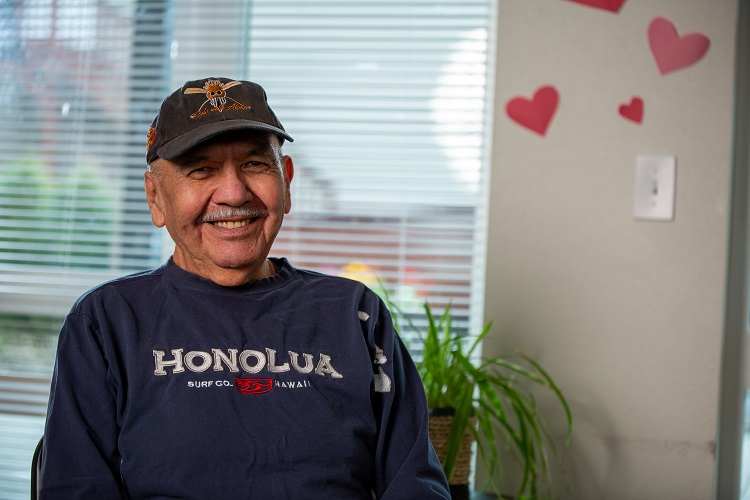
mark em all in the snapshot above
pixel 226 373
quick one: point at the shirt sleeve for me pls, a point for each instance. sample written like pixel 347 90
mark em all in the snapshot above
pixel 407 466
pixel 80 455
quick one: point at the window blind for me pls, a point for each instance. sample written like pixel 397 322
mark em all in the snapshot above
pixel 80 80
pixel 387 102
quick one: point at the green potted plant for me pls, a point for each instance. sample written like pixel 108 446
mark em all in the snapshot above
pixel 490 400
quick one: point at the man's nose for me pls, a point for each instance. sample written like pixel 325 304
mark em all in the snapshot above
pixel 233 188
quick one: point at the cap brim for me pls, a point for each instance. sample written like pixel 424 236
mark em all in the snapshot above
pixel 187 141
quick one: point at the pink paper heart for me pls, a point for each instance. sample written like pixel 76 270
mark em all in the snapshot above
pixel 634 110
pixel 671 51
pixel 535 113
pixel 610 5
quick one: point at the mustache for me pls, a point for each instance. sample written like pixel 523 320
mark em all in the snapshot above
pixel 228 213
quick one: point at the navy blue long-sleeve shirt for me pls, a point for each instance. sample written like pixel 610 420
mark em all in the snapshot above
pixel 167 385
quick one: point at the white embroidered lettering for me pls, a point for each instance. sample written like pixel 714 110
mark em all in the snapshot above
pixel 259 356
pixel 324 366
pixel 230 361
pixel 300 384
pixel 160 363
pixel 380 358
pixel 190 361
pixel 294 357
pixel 201 383
pixel 234 361
pixel 272 366
pixel 382 381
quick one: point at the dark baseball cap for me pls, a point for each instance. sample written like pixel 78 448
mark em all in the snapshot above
pixel 205 108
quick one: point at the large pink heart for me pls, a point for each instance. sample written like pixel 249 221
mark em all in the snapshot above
pixel 535 113
pixel 671 51
pixel 610 5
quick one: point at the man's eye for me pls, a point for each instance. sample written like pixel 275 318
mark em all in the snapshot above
pixel 200 172
pixel 255 165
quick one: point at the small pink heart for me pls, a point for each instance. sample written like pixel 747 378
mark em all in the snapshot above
pixel 535 113
pixel 634 110
pixel 671 51
pixel 610 5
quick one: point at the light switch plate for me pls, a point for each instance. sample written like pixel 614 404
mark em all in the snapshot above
pixel 655 187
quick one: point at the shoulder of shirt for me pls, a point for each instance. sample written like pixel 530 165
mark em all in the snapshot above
pixel 117 285
pixel 340 286
pixel 309 275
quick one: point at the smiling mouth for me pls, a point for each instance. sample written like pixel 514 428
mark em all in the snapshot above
pixel 233 218
pixel 232 224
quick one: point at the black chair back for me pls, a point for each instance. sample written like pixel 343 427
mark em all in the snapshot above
pixel 36 468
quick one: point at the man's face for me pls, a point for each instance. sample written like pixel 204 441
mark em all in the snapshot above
pixel 223 203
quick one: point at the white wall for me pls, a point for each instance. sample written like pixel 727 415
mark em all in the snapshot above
pixel 625 314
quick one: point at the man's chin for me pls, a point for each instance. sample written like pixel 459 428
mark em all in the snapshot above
pixel 239 263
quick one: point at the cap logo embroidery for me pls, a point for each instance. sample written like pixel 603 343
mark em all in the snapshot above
pixel 216 94
pixel 150 137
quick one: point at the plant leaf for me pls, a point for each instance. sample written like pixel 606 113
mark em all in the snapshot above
pixel 552 385
pixel 458 428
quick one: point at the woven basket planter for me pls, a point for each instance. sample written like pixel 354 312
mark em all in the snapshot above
pixel 441 420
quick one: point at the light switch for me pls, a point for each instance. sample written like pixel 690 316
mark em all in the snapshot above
pixel 655 187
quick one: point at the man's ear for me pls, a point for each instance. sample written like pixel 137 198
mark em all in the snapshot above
pixel 288 175
pixel 151 185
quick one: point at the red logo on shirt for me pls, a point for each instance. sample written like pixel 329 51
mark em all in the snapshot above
pixel 253 385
